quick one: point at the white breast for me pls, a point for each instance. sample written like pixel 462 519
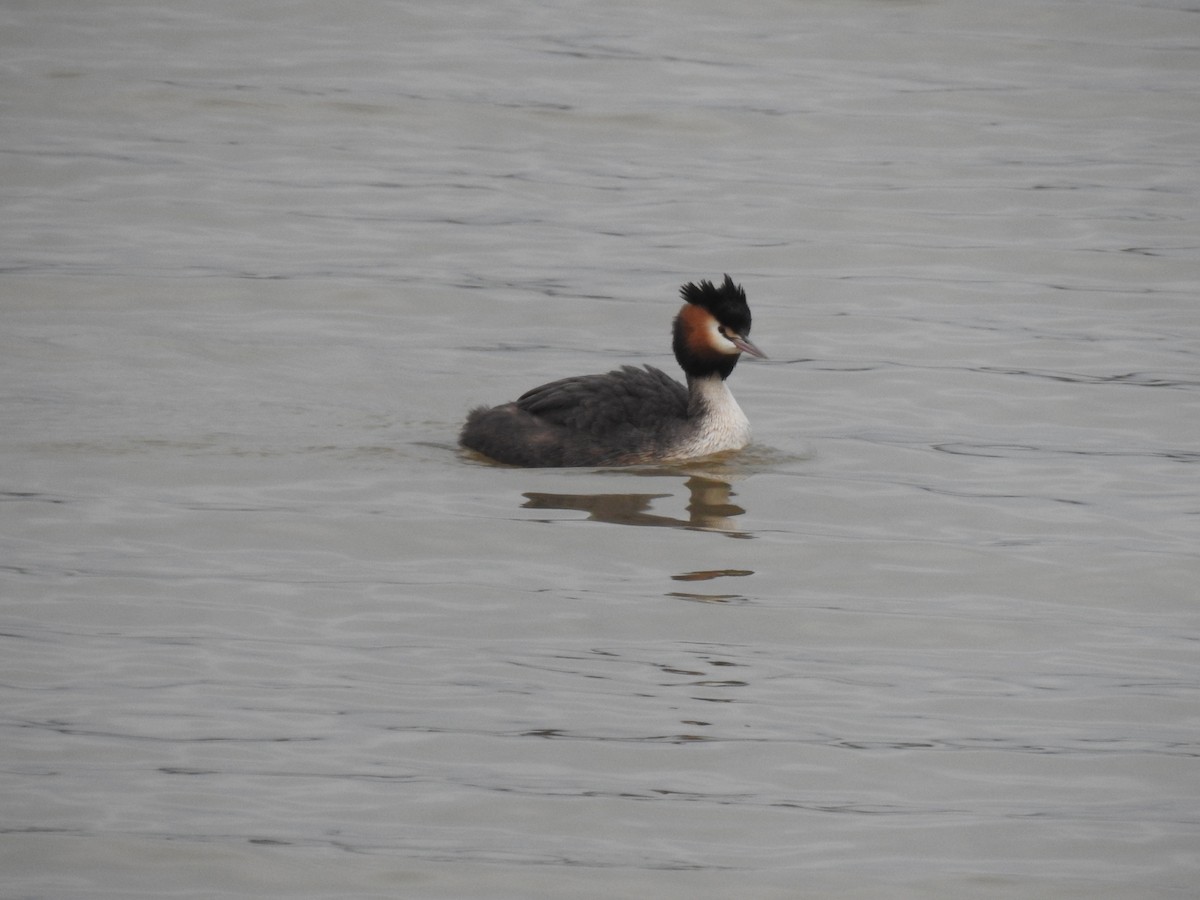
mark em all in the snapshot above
pixel 719 423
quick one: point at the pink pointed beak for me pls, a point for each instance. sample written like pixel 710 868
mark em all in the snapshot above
pixel 745 346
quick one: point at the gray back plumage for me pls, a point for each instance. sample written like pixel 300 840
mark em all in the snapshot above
pixel 628 397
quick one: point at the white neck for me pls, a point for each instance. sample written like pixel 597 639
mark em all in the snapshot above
pixel 717 422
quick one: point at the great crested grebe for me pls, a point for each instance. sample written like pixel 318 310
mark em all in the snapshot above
pixel 633 416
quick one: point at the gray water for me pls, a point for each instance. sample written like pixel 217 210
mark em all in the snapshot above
pixel 267 633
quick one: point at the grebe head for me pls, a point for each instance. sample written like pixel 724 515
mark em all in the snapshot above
pixel 712 329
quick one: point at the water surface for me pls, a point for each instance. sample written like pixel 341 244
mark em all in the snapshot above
pixel 267 633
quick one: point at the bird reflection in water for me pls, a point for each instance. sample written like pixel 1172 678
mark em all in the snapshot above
pixel 709 507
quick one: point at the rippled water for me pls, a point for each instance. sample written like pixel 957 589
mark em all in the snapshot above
pixel 267 633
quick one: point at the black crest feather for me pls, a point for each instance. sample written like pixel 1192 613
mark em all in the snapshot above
pixel 727 303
